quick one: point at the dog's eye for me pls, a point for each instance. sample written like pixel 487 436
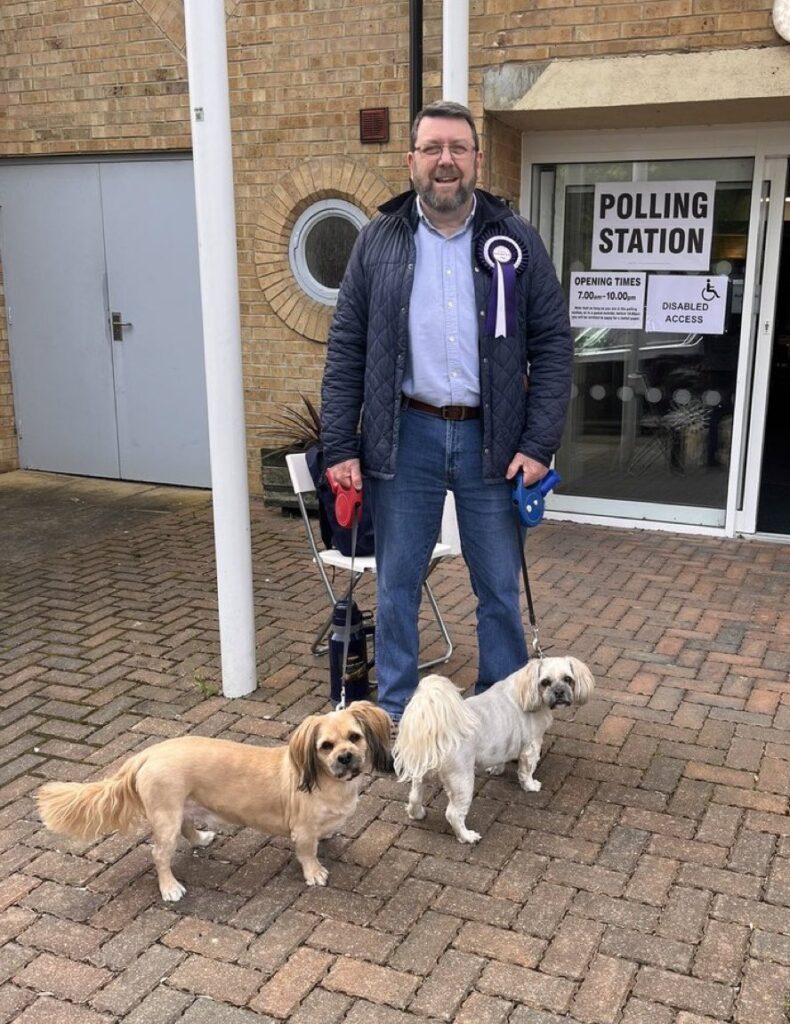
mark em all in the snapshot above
pixel 569 680
pixel 544 683
pixel 326 745
pixel 354 737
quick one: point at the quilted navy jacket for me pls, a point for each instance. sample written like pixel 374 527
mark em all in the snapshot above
pixel 367 347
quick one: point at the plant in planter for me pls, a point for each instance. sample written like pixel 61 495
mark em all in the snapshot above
pixel 291 430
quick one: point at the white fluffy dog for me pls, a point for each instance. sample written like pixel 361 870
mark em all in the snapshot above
pixel 440 731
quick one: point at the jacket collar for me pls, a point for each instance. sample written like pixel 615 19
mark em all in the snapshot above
pixel 489 209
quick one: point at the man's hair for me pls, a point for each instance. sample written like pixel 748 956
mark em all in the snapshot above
pixel 445 108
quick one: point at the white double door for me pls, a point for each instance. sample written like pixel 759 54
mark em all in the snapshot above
pixel 102 288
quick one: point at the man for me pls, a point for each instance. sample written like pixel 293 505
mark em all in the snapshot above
pixel 448 306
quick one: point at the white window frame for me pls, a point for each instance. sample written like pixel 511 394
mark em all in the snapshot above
pixel 306 221
pixel 768 144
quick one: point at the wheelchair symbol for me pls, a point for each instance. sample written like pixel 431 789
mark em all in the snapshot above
pixel 709 292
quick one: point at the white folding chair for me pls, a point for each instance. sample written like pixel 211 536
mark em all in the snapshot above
pixel 449 545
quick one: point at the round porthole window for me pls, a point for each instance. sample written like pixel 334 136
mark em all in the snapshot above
pixel 321 243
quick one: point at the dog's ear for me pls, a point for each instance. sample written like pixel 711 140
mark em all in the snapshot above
pixel 303 753
pixel 527 689
pixel 585 683
pixel 377 726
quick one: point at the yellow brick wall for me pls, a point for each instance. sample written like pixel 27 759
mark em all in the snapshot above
pixel 93 77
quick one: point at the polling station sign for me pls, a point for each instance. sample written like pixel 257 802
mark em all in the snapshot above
pixel 686 304
pixel 653 225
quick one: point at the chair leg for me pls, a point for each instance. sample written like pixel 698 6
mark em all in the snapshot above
pixel 317 647
pixel 442 629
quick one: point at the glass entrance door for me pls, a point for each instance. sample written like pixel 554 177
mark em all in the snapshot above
pixel 652 257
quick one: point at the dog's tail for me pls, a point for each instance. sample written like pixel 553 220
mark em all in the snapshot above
pixel 85 810
pixel 435 723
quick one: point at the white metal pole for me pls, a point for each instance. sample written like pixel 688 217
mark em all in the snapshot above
pixel 207 63
pixel 455 51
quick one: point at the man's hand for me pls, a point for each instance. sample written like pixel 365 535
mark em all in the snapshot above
pixel 533 471
pixel 348 474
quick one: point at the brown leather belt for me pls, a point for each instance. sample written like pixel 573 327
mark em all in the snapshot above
pixel 444 412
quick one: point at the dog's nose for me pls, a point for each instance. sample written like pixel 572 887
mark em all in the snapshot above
pixel 345 758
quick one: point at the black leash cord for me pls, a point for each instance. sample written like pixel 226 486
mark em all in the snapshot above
pixel 521 531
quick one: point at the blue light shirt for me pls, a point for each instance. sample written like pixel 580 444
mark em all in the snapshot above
pixel 443 364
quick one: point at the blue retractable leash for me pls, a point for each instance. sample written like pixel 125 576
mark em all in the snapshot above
pixel 529 503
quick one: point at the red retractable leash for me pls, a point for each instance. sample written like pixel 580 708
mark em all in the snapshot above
pixel 348 512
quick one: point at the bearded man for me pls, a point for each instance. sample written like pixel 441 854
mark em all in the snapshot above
pixel 449 306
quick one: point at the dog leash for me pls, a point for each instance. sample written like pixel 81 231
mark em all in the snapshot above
pixel 529 505
pixel 348 512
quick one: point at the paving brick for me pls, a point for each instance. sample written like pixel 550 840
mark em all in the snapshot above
pixel 685 913
pixel 367 981
pixel 12 1001
pixel 298 976
pixel 162 1006
pixel 128 944
pixel 476 907
pixel 323 1006
pixel 425 943
pixel 544 909
pixel 61 977
pixel 637 1011
pixel 722 952
pixel 207 1011
pixel 572 947
pixel 647 949
pixel 763 998
pixel 14 921
pixel 522 985
pixel 216 941
pixel 603 990
pixel 500 944
pixel 519 875
pixel 271 949
pixel 46 1010
pixel 483 1010
pixel 448 985
pixel 139 978
pixel 353 941
pixel 683 992
pixel 12 959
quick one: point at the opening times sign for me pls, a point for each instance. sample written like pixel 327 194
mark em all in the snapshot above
pixel 606 300
pixel 660 225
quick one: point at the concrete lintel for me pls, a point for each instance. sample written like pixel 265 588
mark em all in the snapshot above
pixel 715 87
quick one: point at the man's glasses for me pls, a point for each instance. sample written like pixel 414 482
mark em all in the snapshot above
pixel 458 150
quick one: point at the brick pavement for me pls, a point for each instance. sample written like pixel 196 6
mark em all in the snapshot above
pixel 647 883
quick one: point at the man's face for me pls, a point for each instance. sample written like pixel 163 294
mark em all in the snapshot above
pixel 444 181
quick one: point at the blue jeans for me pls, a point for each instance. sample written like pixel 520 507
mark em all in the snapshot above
pixel 434 456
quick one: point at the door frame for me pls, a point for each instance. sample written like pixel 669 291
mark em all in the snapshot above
pixel 767 144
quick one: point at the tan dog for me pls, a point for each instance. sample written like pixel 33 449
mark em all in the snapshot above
pixel 306 790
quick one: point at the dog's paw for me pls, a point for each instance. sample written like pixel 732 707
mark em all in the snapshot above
pixel 495 769
pixel 316 876
pixel 204 838
pixel 172 891
pixel 468 836
pixel 530 785
pixel 416 812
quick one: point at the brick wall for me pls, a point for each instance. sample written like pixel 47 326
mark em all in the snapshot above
pixel 102 77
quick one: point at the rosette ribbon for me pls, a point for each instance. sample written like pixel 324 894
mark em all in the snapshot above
pixel 504 259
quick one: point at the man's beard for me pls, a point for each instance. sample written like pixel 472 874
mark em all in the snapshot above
pixel 424 187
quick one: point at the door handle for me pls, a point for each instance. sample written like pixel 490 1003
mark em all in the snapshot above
pixel 118 325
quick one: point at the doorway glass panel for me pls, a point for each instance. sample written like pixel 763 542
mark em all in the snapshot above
pixel 650 422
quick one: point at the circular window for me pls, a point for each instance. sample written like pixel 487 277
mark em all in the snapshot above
pixel 321 243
